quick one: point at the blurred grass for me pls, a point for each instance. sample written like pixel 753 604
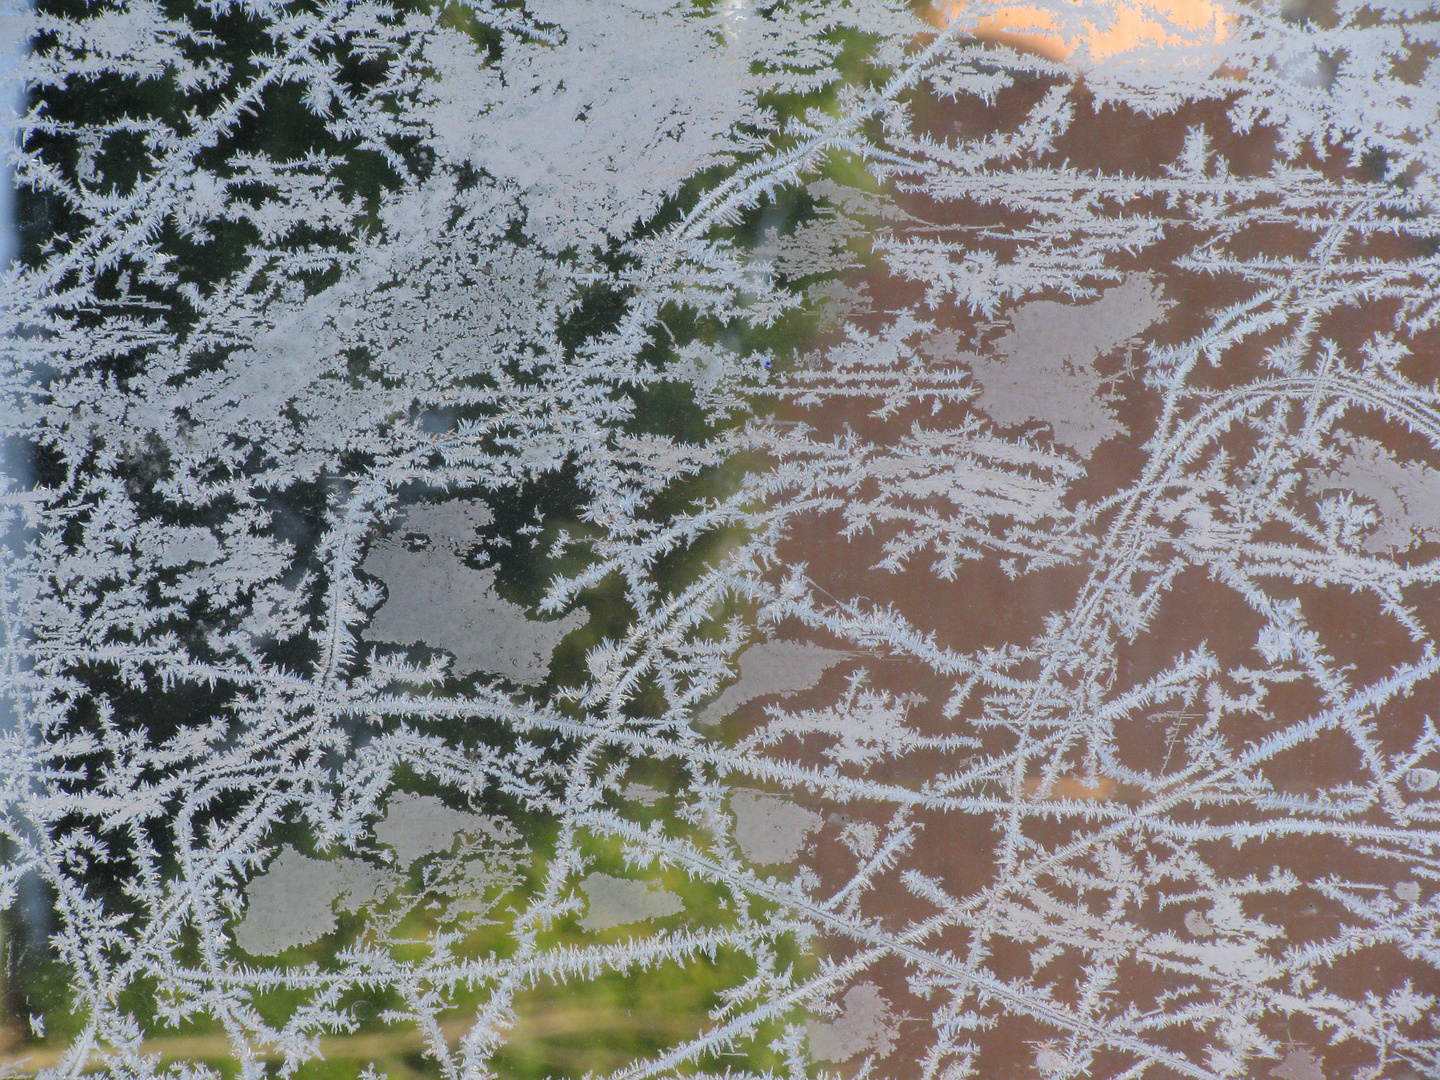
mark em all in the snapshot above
pixel 559 1030
pixel 587 1025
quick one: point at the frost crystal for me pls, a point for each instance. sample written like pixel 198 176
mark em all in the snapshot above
pixel 427 420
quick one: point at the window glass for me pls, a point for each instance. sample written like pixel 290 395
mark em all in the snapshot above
pixel 766 539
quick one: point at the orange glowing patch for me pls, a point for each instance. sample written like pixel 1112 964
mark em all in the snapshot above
pixel 1099 30
pixel 1070 787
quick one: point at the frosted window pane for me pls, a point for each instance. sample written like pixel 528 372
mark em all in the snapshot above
pixel 647 538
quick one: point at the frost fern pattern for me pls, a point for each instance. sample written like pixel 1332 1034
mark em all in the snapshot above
pixel 891 540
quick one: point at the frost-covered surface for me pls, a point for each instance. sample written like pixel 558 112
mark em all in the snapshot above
pixel 769 829
pixel 772 668
pixel 1017 423
pixel 1406 495
pixel 612 901
pixel 294 902
pixel 433 598
pixel 1044 366
pixel 864 1024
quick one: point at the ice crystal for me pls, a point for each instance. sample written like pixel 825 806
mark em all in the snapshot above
pixel 427 421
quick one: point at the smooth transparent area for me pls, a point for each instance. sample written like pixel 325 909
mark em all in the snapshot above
pixel 721 539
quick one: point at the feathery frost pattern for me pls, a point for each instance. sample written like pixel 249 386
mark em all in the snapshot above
pixel 824 538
